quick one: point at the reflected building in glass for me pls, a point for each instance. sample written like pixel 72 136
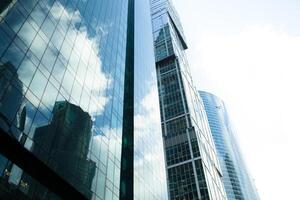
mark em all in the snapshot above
pixel 237 182
pixel 66 139
pixel 78 84
pixel 193 170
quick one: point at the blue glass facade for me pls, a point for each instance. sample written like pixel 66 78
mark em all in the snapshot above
pixel 237 182
pixel 193 170
pixel 62 83
pixel 149 173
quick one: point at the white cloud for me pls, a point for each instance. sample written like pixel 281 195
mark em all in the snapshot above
pixel 88 48
pixel 146 122
pixel 148 107
pixel 147 130
pixel 256 73
pixel 85 46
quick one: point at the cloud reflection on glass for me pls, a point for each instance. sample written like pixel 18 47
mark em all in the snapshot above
pixel 62 52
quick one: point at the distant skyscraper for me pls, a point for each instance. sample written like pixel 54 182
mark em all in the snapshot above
pixel 191 162
pixel 79 101
pixel 237 182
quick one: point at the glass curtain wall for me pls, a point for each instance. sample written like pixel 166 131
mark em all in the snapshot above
pixel 62 83
pixel 62 68
pixel 237 181
pixel 149 167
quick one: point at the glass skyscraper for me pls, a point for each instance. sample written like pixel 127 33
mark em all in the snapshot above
pixel 79 106
pixel 193 170
pixel 237 182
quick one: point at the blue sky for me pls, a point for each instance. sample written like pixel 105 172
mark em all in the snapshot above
pixel 248 53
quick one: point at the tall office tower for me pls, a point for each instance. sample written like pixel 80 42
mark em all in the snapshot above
pixel 237 182
pixel 193 171
pixel 79 106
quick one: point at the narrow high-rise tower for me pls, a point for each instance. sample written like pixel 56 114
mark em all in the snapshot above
pixel 192 167
pixel 237 182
